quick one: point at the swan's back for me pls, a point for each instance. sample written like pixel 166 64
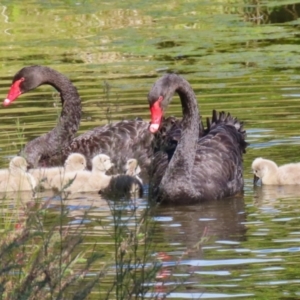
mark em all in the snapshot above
pixel 289 174
pixel 217 170
pixel 120 141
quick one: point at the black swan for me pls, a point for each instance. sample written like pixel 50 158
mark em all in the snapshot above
pixel 121 140
pixel 61 135
pixel 198 168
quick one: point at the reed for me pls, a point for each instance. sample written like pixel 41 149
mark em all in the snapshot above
pixel 135 265
pixel 45 262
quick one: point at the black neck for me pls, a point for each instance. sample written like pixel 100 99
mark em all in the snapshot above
pixel 68 122
pixel 183 159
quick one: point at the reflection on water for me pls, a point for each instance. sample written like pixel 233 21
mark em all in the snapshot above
pixel 268 195
pixel 240 56
pixel 217 220
pixel 195 231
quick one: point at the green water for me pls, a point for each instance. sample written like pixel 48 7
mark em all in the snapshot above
pixel 240 56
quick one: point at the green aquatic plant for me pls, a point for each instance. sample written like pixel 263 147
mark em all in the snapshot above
pixel 20 133
pixel 45 262
pixel 135 265
pixel 112 105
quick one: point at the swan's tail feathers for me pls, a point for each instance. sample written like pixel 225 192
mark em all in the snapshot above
pixel 223 118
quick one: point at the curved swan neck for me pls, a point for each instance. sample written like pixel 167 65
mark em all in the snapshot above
pixel 186 148
pixel 70 99
pixel 68 122
pixel 71 107
pixel 182 162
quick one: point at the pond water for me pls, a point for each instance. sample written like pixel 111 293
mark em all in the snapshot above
pixel 241 56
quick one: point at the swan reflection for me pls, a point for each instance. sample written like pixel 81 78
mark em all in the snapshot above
pixel 269 194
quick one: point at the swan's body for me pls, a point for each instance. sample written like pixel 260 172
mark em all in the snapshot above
pixel 86 181
pixel 52 148
pixel 195 169
pixel 133 169
pixel 270 174
pixel 16 177
pixel 75 162
pixel 132 136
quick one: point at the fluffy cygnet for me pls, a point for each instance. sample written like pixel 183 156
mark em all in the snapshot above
pixel 16 177
pixel 133 169
pixel 125 185
pixel 85 181
pixel 74 162
pixel 270 173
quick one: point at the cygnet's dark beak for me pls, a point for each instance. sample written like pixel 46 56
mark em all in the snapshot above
pixel 255 179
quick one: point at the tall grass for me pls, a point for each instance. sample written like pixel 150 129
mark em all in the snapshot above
pixel 43 259
pixel 44 262
pixel 134 262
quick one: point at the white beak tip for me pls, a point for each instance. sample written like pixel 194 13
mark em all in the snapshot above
pixel 6 102
pixel 153 128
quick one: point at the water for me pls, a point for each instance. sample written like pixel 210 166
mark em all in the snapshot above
pixel 239 56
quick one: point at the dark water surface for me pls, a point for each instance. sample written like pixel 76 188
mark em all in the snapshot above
pixel 240 56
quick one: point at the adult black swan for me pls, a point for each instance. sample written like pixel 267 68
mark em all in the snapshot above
pixel 61 135
pixel 121 140
pixel 198 169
